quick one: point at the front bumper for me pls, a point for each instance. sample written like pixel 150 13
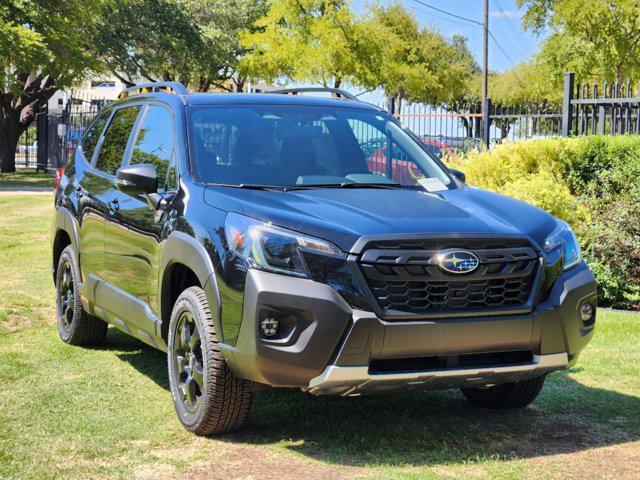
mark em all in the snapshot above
pixel 327 347
pixel 354 380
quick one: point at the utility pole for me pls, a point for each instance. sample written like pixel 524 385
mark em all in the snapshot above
pixel 485 53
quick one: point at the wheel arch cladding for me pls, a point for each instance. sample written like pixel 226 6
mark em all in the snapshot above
pixel 65 233
pixel 185 263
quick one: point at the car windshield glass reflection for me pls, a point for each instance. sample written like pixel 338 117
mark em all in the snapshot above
pixel 308 146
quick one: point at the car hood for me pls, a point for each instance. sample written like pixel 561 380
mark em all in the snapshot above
pixel 342 216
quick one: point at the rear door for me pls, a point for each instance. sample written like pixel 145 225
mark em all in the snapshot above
pixel 133 236
pixel 91 195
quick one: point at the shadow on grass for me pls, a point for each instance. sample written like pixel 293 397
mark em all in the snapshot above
pixel 421 427
pixel 147 360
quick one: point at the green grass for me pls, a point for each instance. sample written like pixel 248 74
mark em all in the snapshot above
pixel 69 412
pixel 26 178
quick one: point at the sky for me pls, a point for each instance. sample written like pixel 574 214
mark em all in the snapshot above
pixel 504 23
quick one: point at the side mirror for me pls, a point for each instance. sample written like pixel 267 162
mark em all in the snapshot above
pixel 458 174
pixel 141 179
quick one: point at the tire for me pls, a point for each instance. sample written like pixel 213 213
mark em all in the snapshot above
pixel 75 325
pixel 507 395
pixel 209 399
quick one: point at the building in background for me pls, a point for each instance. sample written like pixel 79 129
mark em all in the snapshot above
pixel 96 89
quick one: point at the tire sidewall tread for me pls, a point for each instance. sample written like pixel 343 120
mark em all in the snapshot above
pixel 226 399
pixel 85 330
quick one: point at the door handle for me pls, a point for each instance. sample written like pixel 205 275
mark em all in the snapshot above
pixel 114 205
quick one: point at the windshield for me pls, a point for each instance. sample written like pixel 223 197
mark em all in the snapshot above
pixel 306 146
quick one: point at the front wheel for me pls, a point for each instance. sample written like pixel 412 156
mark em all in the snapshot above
pixel 506 395
pixel 208 397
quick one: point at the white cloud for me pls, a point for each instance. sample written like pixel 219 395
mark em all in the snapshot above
pixel 506 14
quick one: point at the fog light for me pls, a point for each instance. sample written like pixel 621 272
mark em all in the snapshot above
pixel 586 312
pixel 269 327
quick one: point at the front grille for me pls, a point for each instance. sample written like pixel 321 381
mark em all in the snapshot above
pixel 409 281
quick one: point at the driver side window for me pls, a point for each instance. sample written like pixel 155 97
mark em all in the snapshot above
pixel 155 144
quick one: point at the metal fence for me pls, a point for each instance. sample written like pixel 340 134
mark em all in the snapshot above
pixel 27 148
pixel 612 109
pixel 78 114
pixel 469 125
pixel 52 136
pixel 586 109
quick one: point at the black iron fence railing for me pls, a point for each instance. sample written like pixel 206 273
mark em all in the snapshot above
pixel 612 109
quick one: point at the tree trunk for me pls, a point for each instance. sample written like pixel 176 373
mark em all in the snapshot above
pixel 399 98
pixel 10 132
pixel 17 112
pixel 619 77
pixel 8 144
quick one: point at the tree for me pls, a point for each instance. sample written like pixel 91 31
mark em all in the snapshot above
pixel 195 42
pixel 418 63
pixel 599 37
pixel 305 41
pixel 43 47
pixel 324 41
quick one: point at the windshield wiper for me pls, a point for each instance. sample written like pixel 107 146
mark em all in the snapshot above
pixel 344 185
pixel 248 186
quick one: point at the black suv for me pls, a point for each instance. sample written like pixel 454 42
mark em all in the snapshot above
pixel 295 241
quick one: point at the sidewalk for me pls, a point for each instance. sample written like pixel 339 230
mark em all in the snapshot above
pixel 14 191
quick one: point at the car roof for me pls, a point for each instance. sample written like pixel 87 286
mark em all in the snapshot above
pixel 272 99
pixel 196 99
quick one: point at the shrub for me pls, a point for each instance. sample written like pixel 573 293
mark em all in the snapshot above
pixel 593 183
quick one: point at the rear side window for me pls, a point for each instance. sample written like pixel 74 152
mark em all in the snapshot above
pixel 155 144
pixel 91 137
pixel 116 138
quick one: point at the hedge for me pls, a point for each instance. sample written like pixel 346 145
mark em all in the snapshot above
pixel 593 183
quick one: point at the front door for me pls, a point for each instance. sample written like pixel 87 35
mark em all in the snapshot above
pixel 133 235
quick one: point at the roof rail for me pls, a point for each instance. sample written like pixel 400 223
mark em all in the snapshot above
pixel 295 90
pixel 175 88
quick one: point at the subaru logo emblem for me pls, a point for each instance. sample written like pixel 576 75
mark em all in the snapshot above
pixel 457 261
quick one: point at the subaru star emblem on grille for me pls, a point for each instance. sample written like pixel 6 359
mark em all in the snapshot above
pixel 457 261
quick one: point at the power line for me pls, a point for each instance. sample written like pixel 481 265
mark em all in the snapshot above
pixel 457 22
pixel 470 20
pixel 514 30
pixel 515 70
pixel 441 17
pixel 476 23
pixel 501 49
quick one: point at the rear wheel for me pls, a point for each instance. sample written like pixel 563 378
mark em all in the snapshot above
pixel 208 397
pixel 507 395
pixel 75 325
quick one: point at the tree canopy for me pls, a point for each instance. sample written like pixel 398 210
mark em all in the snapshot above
pixel 192 41
pixel 324 41
pixel 594 38
pixel 306 41
pixel 419 63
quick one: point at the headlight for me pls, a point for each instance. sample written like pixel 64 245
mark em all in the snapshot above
pixel 563 239
pixel 267 247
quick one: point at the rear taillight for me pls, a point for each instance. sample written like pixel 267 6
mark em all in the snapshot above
pixel 59 173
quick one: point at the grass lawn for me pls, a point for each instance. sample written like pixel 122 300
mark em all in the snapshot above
pixel 69 412
pixel 26 178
